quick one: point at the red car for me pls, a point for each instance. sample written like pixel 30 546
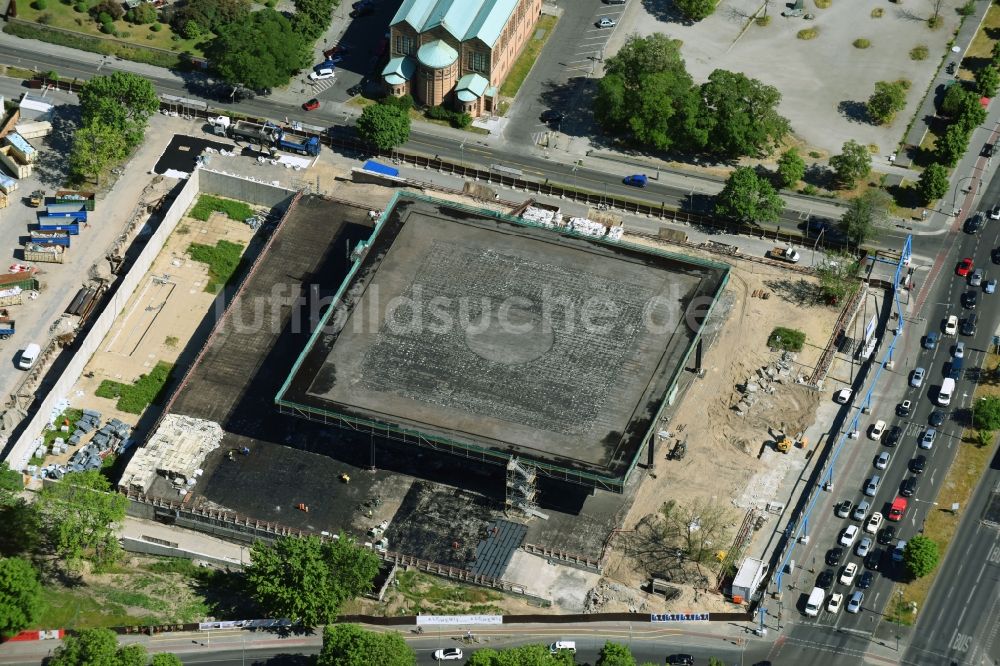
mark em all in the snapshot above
pixel 313 104
pixel 964 267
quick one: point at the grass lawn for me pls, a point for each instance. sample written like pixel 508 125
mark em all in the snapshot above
pixel 965 473
pixel 424 593
pixel 71 415
pixel 982 44
pixel 519 72
pixel 223 259
pixel 207 204
pixel 134 398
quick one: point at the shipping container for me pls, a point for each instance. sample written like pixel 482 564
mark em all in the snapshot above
pixel 71 196
pixel 69 225
pixel 80 215
pixel 51 254
pixel 50 237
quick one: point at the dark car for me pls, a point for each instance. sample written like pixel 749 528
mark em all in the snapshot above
pixel 833 556
pixel 829 230
pixel 825 579
pixel 931 340
pixel 909 487
pixel 356 89
pixel 995 255
pixel 552 116
pixel 936 418
pixel 969 324
pixel 364 10
pixel 873 560
pixel 680 660
pixel 974 223
pixel 970 299
pixel 866 580
pixel 918 464
pixel 887 535
pixel 311 105
pixel 892 436
pixel 903 408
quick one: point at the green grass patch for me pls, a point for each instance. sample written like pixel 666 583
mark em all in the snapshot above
pixel 207 204
pixel 861 43
pixel 982 43
pixel 789 339
pixel 72 415
pixel 823 4
pixel 878 12
pixel 79 608
pixel 134 398
pixel 807 34
pixel 918 53
pixel 135 599
pixel 425 593
pixel 93 44
pixel 519 72
pixel 178 565
pixel 763 21
pixel 223 259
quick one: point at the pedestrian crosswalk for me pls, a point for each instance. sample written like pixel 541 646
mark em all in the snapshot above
pixel 320 86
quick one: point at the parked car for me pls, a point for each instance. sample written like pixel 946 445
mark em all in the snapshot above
pixel 931 340
pixel 836 601
pixel 311 105
pixel 964 267
pixel 843 509
pixel 876 430
pixel 903 409
pixel 861 510
pixel 991 286
pixel 833 556
pixel 356 89
pixel 873 560
pixel 927 439
pixel 680 660
pixel 322 74
pixel 951 325
pixel 552 116
pixel 871 488
pixel 864 546
pixel 854 605
pixel 894 433
pixel 995 211
pixel 897 552
pixel 867 578
pixel 843 396
pixel 848 535
pixel 969 324
pixel 918 464
pixel 908 487
pixel 958 351
pixel 825 579
pixel 976 278
pixel 995 255
pixel 936 418
pixel 882 460
pixel 887 535
pixel 848 573
pixel 874 522
pixel 917 377
pixel 607 23
pixel 448 654
pixel 970 299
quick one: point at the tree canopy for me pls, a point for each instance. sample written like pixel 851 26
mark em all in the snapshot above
pixel 207 14
pixel 260 50
pixel 350 645
pixel 986 413
pixel 742 114
pixel 524 655
pixel 384 125
pixel 96 147
pixel 852 164
pixel 695 10
pixel 987 81
pixel 615 654
pixel 312 17
pixel 79 516
pixel 20 595
pixel 950 147
pixel 123 102
pixel 307 580
pixel 11 483
pixel 888 99
pixel 166 659
pixel 791 168
pixel 866 215
pixel 933 183
pixel 838 276
pixel 920 556
pixel 749 198
pixel 99 647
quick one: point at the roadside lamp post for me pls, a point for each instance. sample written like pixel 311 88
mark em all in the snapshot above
pixel 958 186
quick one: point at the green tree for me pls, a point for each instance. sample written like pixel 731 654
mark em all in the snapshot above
pixel 312 17
pixel 647 96
pixel 166 659
pixel 615 654
pixel 995 54
pixel 208 14
pixel 20 595
pixel 791 168
pixel 695 10
pixel 141 14
pixel 91 647
pixel 748 198
pixel 350 645
pixel 971 113
pixel 307 580
pixel 986 413
pixel 838 276
pixel 987 81
pixel 888 99
pixel 80 515
pixel 123 102
pixel 714 661
pixel 384 126
pixel 954 98
pixel 853 164
pixel 933 183
pixel 95 148
pixel 920 556
pixel 742 114
pixel 948 149
pixel 866 215
pixel 260 50
pixel 525 655
pixel 11 483
pixel 132 655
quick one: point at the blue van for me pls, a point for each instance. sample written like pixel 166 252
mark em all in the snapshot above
pixel 637 180
pixel 955 368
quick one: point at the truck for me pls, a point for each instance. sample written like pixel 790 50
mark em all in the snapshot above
pixel 72 196
pixel 815 601
pixel 748 580
pixel 308 145
pixel 6 327
pixel 49 237
pixel 51 254
pixel 67 224
pixel 783 253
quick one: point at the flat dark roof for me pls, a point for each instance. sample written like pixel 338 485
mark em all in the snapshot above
pixel 491 335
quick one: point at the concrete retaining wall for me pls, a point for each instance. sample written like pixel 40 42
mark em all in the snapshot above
pixel 240 188
pixel 172 550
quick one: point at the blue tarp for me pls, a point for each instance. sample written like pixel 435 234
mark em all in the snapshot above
pixel 377 167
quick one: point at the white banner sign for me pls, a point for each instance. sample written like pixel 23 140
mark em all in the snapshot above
pixel 679 617
pixel 453 620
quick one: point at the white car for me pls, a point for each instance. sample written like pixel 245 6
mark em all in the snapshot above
pixel 864 546
pixel 836 601
pixel 854 605
pixel 848 535
pixel 448 654
pixel 321 75
pixel 882 461
pixel 843 396
pixel 847 575
pixel 927 439
pixel 959 350
pixel 917 378
pixel 951 325
pixel 607 23
pixel 874 523
pixel 877 429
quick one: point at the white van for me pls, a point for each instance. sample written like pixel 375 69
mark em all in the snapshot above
pixel 563 646
pixel 947 390
pixel 29 356
pixel 815 601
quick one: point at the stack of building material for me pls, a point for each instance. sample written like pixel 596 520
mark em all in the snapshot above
pixel 176 450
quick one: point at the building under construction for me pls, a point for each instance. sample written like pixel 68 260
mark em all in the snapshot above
pixel 480 335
